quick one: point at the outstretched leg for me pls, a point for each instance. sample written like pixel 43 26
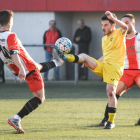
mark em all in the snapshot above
pixel 81 58
pixel 56 62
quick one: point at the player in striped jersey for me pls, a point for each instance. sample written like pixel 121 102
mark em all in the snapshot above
pixel 17 59
pixel 131 74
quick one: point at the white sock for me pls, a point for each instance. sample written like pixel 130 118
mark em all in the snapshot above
pixel 17 117
pixel 55 62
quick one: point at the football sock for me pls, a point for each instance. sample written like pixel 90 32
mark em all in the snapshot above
pixel 55 62
pixel 72 58
pixel 106 110
pixel 111 113
pixel 47 66
pixel 29 107
pixel 17 117
pixel 117 96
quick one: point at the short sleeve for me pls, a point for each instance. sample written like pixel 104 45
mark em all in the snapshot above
pixel 119 30
pixel 12 42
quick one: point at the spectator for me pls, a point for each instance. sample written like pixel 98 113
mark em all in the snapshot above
pixel 82 37
pixel 2 72
pixel 50 37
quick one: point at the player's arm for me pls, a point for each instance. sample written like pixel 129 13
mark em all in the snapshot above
pixel 16 59
pixel 101 59
pixel 13 46
pixel 122 25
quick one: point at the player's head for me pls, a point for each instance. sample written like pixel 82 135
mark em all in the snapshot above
pixel 81 23
pixel 129 20
pixel 107 25
pixel 6 18
pixel 52 24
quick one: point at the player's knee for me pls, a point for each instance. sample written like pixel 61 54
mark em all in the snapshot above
pixel 83 56
pixel 110 93
pixel 119 92
pixel 138 85
pixel 42 99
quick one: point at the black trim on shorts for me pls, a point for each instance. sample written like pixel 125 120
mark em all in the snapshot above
pixel 31 72
pixel 28 73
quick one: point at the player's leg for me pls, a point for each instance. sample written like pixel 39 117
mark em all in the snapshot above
pixel 138 84
pixel 40 94
pixel 81 58
pixel 36 85
pixel 112 105
pixel 121 88
pixel 31 105
pixel 56 62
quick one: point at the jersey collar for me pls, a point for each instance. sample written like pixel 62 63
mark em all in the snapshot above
pixel 4 31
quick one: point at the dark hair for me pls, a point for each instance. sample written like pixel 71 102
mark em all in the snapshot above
pixel 104 17
pixel 130 16
pixel 5 16
pixel 52 21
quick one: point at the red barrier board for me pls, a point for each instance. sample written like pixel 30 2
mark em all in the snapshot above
pixel 70 5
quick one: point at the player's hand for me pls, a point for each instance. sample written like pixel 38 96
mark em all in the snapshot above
pixel 109 15
pixel 83 66
pixel 22 74
pixel 77 39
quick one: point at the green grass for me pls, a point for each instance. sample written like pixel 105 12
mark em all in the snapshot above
pixel 69 113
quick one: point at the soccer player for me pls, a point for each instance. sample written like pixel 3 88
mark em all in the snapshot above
pixel 14 55
pixel 131 74
pixel 110 66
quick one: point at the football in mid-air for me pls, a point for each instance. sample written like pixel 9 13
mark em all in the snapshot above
pixel 63 45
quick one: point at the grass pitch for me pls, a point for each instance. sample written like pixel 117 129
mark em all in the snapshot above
pixel 69 113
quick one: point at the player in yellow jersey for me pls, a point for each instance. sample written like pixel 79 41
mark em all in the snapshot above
pixel 110 66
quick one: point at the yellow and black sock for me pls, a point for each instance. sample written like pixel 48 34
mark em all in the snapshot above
pixel 72 58
pixel 111 114
pixel 106 110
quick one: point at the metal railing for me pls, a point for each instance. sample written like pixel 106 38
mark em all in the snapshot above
pixel 76 49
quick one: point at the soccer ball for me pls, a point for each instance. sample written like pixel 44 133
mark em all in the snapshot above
pixel 63 45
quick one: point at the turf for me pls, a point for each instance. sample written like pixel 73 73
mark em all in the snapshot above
pixel 69 113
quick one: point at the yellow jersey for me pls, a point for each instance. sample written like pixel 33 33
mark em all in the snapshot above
pixel 114 49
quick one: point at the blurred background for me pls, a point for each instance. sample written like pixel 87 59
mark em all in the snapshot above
pixel 31 20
